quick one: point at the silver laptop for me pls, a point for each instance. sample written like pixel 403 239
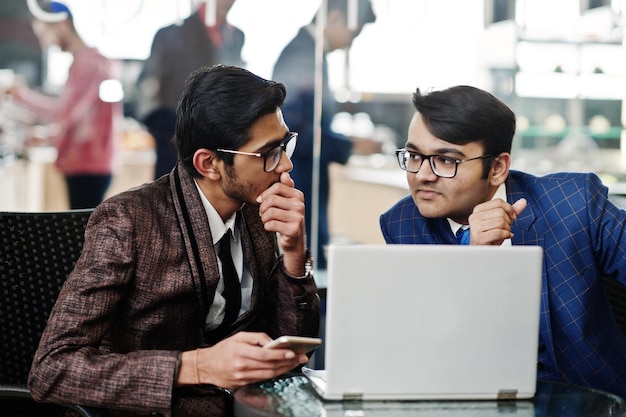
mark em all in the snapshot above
pixel 432 322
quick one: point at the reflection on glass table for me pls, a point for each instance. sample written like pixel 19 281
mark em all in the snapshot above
pixel 294 396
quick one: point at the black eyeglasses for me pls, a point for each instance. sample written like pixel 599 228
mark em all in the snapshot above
pixel 442 166
pixel 271 158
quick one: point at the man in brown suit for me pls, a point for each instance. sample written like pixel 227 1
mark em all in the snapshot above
pixel 141 324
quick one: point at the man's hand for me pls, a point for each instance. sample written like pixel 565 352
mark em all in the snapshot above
pixel 490 222
pixel 237 361
pixel 282 211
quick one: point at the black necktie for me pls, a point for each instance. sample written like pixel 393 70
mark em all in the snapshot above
pixel 232 288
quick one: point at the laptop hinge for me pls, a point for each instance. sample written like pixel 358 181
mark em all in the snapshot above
pixel 353 396
pixel 507 394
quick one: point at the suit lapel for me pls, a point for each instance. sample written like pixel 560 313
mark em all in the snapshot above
pixel 524 233
pixel 197 237
pixel 443 233
pixel 254 250
pixel 263 242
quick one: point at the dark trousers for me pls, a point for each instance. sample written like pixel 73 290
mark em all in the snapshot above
pixel 87 191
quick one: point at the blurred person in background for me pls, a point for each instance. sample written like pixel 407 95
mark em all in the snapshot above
pixel 295 68
pixel 84 128
pixel 177 50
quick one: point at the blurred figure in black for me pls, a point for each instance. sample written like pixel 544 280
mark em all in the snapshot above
pixel 296 69
pixel 177 50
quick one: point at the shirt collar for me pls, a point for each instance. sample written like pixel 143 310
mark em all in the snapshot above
pixel 217 226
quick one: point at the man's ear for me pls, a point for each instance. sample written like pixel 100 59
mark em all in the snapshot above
pixel 500 169
pixel 206 163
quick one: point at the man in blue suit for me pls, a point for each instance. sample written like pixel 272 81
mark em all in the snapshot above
pixel 457 158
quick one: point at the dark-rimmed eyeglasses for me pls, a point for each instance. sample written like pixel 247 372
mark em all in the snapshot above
pixel 271 158
pixel 442 166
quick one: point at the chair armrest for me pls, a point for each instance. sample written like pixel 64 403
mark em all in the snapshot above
pixel 19 391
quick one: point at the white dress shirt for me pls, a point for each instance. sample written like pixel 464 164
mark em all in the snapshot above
pixel 218 229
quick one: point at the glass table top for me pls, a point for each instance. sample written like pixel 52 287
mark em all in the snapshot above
pixel 294 396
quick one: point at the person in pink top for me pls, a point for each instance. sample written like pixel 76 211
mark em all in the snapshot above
pixel 87 128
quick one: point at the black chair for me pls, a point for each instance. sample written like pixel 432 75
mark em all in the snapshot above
pixel 37 252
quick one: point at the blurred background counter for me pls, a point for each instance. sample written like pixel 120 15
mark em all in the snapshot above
pixel 29 181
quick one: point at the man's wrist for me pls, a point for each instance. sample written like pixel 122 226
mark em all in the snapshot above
pixel 307 269
pixel 186 373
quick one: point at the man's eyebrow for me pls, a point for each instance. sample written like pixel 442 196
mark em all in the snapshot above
pixel 440 151
pixel 450 151
pixel 269 145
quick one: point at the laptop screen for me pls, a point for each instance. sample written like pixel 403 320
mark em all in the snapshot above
pixel 432 321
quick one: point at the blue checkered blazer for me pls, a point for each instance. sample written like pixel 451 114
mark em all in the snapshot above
pixel 583 236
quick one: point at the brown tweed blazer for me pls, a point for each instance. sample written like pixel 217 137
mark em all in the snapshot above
pixel 139 294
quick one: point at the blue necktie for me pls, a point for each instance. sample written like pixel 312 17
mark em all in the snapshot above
pixel 464 236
